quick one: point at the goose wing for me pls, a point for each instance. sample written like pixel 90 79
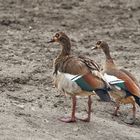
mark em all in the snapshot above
pixel 131 76
pixel 82 66
pixel 78 65
pixel 130 83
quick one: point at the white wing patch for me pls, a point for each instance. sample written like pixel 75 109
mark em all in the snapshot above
pixel 113 80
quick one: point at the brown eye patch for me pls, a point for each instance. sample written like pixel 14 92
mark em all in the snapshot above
pixel 57 35
pixel 98 42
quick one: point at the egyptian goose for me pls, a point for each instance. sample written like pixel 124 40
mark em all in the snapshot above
pixel 69 68
pixel 130 92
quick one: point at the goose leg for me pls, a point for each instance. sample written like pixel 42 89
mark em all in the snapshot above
pixel 116 109
pixel 134 111
pixel 89 110
pixel 72 118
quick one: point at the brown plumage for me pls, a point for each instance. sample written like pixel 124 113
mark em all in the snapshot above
pixel 131 93
pixel 65 63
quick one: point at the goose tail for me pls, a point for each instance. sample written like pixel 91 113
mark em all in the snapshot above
pixel 103 94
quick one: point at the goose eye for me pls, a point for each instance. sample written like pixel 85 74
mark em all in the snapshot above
pixel 99 42
pixel 57 35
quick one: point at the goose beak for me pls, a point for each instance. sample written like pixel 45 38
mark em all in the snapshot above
pixel 51 41
pixel 54 39
pixel 94 48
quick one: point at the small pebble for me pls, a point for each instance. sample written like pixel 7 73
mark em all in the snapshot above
pixel 75 129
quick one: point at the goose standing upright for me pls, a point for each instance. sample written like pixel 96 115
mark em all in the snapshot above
pixel 130 93
pixel 66 65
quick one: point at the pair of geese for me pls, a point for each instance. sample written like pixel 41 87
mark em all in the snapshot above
pixel 67 65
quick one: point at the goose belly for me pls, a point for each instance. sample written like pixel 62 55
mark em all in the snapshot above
pixel 117 93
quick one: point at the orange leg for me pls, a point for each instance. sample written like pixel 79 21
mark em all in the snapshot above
pixel 134 111
pixel 72 118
